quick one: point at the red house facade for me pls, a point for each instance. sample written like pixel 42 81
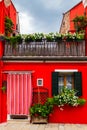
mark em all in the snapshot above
pixel 47 66
pixel 67 23
pixel 11 12
pixel 6 9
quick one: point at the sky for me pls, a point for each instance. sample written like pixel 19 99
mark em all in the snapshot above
pixel 45 16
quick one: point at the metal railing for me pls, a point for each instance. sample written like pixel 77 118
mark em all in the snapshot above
pixel 62 48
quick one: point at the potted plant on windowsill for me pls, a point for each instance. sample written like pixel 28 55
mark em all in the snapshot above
pixel 67 97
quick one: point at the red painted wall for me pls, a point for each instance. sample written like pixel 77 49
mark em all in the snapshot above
pixel 2 17
pixel 9 11
pixel 76 11
pixel 12 14
pixel 44 70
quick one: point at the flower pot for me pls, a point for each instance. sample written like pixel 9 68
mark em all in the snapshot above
pixel 39 120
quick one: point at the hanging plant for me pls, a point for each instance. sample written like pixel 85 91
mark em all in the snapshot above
pixel 8 26
pixel 4 88
pixel 80 22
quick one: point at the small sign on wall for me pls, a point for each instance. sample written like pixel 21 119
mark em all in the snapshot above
pixel 39 82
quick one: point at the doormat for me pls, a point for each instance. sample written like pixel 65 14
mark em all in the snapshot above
pixel 18 116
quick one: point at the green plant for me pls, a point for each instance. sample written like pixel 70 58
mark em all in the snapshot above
pixel 80 22
pixel 67 96
pixel 53 37
pixel 29 38
pixel 49 37
pixel 3 89
pixel 35 37
pixel 81 101
pixel 38 37
pixel 19 39
pixel 40 110
pixel 14 40
pixel 8 26
pixel 58 37
pixel 73 37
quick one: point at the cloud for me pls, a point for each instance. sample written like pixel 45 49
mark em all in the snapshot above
pixel 42 15
pixel 26 23
pixel 51 4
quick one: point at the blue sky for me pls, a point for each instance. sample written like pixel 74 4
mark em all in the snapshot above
pixel 42 15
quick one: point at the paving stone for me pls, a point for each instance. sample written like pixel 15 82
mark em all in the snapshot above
pixel 41 127
pixel 61 127
pixel 27 126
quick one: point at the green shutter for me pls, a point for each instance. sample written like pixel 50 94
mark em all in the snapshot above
pixel 54 83
pixel 78 83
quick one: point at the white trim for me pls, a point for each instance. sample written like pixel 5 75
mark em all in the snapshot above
pixel 66 70
pixel 40 80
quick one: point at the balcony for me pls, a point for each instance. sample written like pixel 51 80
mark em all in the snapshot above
pixel 40 50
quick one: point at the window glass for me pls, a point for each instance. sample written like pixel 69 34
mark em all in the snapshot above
pixel 69 81
pixel 65 80
pixel 61 83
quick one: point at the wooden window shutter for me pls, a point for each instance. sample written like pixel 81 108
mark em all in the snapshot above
pixel 78 83
pixel 54 83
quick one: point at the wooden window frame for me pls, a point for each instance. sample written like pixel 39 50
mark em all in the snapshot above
pixel 65 78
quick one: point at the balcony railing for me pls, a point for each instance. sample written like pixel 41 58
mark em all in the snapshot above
pixel 62 48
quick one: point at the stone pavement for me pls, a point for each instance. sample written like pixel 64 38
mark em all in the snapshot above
pixel 27 126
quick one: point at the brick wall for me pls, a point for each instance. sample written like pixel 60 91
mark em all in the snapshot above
pixel 65 25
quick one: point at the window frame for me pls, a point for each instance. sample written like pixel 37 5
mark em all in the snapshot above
pixel 77 81
pixel 40 82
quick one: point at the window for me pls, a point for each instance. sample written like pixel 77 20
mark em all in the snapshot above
pixel 71 80
pixel 65 79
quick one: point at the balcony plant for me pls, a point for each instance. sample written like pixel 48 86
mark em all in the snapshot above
pixel 8 26
pixel 80 22
pixel 58 37
pixel 49 37
pixel 69 37
pixel 35 37
pixel 53 37
pixel 14 40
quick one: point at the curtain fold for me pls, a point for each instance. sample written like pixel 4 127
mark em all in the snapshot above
pixel 19 93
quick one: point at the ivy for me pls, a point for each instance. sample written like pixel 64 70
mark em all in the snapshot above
pixel 8 26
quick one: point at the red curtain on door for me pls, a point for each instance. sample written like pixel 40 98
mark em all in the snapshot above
pixel 19 93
